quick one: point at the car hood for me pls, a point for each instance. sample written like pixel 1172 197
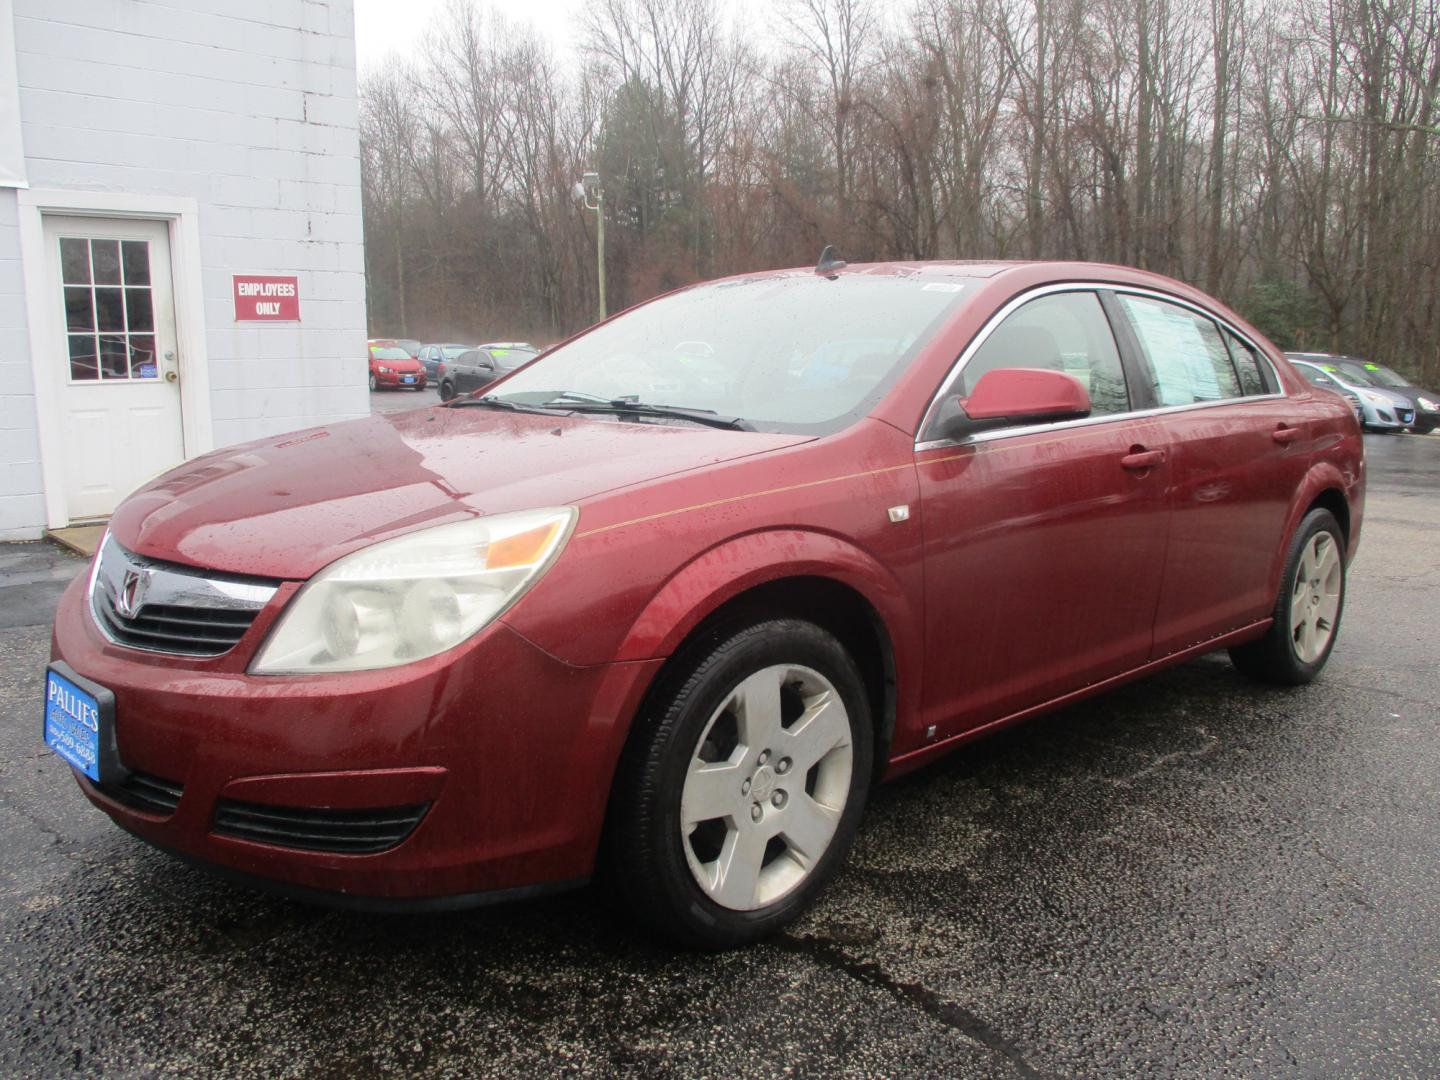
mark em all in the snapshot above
pixel 286 506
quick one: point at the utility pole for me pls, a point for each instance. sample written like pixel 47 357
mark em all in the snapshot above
pixel 589 188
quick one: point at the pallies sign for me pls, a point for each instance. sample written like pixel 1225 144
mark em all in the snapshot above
pixel 266 298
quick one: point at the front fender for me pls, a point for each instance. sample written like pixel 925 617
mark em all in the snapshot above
pixel 723 572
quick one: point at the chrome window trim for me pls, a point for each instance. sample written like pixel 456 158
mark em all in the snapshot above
pixel 1081 286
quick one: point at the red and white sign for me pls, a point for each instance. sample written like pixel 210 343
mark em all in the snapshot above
pixel 266 298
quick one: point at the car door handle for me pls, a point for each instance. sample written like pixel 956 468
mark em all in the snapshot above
pixel 1139 460
pixel 1285 435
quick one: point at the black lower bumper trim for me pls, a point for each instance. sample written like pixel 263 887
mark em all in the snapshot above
pixel 376 905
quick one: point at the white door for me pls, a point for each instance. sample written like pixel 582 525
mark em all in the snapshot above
pixel 116 369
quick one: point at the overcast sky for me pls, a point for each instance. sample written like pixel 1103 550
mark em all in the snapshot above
pixel 385 25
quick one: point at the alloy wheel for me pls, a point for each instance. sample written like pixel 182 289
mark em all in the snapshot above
pixel 1315 597
pixel 766 786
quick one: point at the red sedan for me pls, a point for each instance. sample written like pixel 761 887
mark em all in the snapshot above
pixel 664 603
pixel 392 367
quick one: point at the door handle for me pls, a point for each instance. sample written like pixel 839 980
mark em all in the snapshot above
pixel 1285 435
pixel 1138 460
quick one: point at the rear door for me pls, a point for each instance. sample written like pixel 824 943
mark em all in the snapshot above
pixel 1239 449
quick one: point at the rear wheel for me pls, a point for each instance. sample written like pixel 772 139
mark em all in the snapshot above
pixel 447 390
pixel 1307 611
pixel 741 790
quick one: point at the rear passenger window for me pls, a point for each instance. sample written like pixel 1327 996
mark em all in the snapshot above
pixel 1253 372
pixel 1187 355
pixel 1063 332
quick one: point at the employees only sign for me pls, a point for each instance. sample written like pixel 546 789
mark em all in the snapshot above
pixel 266 298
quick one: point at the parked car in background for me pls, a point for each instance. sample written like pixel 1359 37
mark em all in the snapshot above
pixel 432 356
pixel 392 368
pixel 1384 410
pixel 439 657
pixel 1316 376
pixel 1427 402
pixel 477 368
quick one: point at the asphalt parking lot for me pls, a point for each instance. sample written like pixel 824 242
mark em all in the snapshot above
pixel 1190 877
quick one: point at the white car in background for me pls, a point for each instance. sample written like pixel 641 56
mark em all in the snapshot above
pixel 1382 410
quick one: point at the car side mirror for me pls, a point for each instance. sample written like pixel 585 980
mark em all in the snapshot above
pixel 1010 396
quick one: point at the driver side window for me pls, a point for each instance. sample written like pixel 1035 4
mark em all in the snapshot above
pixel 1066 332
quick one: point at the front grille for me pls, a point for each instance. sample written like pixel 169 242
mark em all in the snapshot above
pixel 190 631
pixel 346 832
pixel 141 791
pixel 144 603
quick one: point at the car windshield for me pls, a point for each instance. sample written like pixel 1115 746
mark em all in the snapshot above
pixel 793 353
pixel 1319 378
pixel 1385 376
pixel 1351 373
pixel 389 354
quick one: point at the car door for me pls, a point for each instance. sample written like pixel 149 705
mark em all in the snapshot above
pixel 1044 545
pixel 484 368
pixel 1239 449
pixel 462 371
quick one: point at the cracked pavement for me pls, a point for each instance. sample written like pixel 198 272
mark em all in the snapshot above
pixel 1191 876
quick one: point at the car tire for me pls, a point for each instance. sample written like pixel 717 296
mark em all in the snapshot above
pixel 768 826
pixel 447 390
pixel 1306 617
pixel 374 384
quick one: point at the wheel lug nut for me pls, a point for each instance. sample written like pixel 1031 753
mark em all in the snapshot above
pixel 745 788
pixel 764 756
pixel 778 799
pixel 756 812
pixel 782 766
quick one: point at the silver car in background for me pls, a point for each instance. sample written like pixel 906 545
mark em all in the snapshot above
pixel 1381 410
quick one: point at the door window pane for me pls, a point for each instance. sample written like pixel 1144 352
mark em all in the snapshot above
pixel 110 310
pixel 105 258
pixel 114 357
pixel 1187 355
pixel 1065 332
pixel 137 262
pixel 1252 370
pixel 138 315
pixel 74 261
pixel 79 311
pixel 142 357
pixel 82 357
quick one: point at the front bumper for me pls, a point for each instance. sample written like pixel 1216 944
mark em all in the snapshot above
pixel 508 750
pixel 397 381
pixel 1384 416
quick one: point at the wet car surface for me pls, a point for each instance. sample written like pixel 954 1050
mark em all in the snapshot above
pixel 1185 877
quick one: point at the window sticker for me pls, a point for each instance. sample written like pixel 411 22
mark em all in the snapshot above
pixel 1177 351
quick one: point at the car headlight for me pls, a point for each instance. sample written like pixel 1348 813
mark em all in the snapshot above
pixel 1427 404
pixel 405 599
pixel 385 370
pixel 1373 398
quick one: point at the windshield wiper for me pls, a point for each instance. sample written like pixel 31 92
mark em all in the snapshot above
pixel 492 402
pixel 631 407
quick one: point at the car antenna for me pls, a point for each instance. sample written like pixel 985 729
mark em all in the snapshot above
pixel 830 263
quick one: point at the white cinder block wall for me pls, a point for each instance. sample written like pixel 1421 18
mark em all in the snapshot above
pixel 248 108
